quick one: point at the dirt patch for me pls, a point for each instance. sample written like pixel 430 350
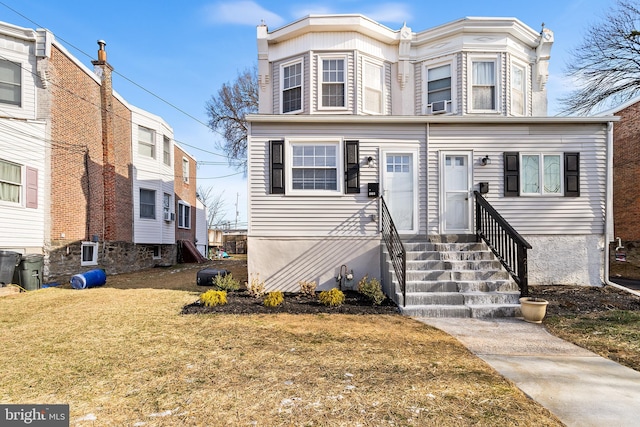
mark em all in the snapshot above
pixel 577 300
pixel 243 303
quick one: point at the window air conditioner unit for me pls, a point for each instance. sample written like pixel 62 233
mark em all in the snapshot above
pixel 438 107
pixel 169 216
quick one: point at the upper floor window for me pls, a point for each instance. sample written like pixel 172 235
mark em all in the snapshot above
pixel 147 204
pixel 185 170
pixel 483 85
pixel 373 88
pixel 10 182
pixel 166 151
pixel 518 90
pixel 10 83
pixel 541 174
pixel 439 89
pixel 333 83
pixel 292 87
pixel 146 142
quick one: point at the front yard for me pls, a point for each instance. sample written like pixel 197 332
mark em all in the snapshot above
pixel 122 354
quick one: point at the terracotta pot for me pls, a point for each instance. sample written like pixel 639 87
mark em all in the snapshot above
pixel 533 309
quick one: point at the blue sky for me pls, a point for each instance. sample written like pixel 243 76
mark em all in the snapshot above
pixel 172 56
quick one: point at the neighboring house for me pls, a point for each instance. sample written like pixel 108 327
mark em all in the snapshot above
pixel 186 197
pixel 83 174
pixel 350 110
pixel 201 228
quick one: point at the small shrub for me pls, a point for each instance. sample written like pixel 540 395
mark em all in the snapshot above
pixel 226 283
pixel 307 288
pixel 332 298
pixel 255 287
pixel 372 289
pixel 273 299
pixel 212 298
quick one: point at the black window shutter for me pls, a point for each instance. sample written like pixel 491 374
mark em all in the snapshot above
pixel 352 167
pixel 572 174
pixel 276 156
pixel 511 174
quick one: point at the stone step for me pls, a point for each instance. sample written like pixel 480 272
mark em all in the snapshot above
pixel 450 256
pixel 462 298
pixel 456 275
pixel 443 247
pixel 462 311
pixel 453 265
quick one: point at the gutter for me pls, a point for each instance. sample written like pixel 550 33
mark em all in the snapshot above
pixel 608 215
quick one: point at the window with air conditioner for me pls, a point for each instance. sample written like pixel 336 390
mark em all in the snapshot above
pixel 439 90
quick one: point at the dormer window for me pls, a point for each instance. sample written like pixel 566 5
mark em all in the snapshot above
pixel 333 83
pixel 483 85
pixel 292 87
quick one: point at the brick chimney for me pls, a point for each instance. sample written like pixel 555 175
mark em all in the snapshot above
pixel 104 71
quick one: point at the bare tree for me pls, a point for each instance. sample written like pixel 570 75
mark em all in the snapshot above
pixel 606 65
pixel 215 207
pixel 227 113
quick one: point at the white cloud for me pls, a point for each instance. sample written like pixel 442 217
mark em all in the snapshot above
pixel 390 12
pixel 242 13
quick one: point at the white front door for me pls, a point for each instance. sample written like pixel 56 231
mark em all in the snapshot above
pixel 456 206
pixel 399 180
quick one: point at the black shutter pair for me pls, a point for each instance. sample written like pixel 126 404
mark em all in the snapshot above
pixel 351 167
pixel 512 174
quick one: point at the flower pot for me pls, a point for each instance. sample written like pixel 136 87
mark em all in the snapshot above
pixel 533 309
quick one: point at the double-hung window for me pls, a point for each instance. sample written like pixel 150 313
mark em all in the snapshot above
pixel 439 89
pixel 483 85
pixel 373 88
pixel 166 207
pixel 147 203
pixel 518 90
pixel 292 87
pixel 10 83
pixel 185 170
pixel 146 142
pixel 541 174
pixel 166 151
pixel 10 182
pixel 315 166
pixel 333 83
pixel 184 215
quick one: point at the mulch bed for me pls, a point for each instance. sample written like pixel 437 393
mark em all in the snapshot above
pixel 576 300
pixel 241 302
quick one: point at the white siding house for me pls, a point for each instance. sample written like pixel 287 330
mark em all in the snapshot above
pixel 153 179
pixel 353 113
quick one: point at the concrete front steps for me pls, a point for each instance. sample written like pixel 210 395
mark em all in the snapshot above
pixel 453 276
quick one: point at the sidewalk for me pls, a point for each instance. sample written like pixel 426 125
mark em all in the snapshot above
pixel 576 385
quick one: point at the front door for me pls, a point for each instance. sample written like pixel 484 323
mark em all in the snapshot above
pixel 456 199
pixel 399 180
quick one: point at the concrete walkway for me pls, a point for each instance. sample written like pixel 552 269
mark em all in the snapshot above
pixel 576 385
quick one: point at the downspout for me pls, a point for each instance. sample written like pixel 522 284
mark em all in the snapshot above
pixel 608 215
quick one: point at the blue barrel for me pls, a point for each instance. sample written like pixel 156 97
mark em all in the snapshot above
pixel 89 279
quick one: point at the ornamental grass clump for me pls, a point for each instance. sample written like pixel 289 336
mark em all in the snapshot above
pixel 273 299
pixel 307 288
pixel 212 298
pixel 332 298
pixel 256 287
pixel 372 289
pixel 226 283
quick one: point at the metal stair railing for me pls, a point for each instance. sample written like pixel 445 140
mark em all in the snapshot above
pixel 396 250
pixel 504 241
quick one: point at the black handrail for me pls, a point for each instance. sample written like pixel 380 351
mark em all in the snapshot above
pixel 396 250
pixel 504 241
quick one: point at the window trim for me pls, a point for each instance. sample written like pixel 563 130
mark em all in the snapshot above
pixel 320 80
pixel 94 258
pixel 140 204
pixel 282 88
pixel 19 85
pixel 525 86
pixel 495 59
pixel 454 89
pixel 339 144
pixel 381 89
pixel 184 221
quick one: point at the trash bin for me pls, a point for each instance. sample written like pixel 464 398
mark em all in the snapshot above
pixel 8 262
pixel 28 274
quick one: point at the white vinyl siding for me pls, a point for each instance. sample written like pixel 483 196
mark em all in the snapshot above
pixel 544 214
